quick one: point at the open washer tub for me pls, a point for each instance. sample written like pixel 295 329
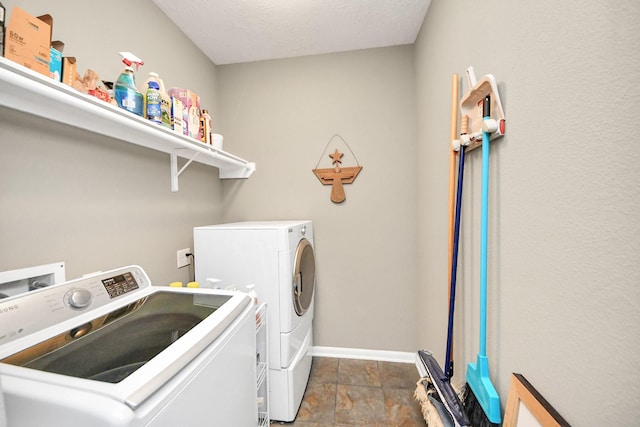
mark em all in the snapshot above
pixel 113 350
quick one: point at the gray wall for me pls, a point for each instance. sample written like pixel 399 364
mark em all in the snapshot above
pixel 94 202
pixel 282 114
pixel 564 229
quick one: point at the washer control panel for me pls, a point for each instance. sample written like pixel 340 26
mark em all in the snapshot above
pixel 31 312
pixel 120 284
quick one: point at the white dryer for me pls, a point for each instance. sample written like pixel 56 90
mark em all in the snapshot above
pixel 278 257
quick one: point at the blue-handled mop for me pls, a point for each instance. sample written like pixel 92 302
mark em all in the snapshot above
pixel 482 390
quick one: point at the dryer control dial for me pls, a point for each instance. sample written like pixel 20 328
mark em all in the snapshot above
pixel 78 298
pixel 303 230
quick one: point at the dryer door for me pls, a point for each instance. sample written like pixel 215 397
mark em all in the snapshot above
pixel 303 277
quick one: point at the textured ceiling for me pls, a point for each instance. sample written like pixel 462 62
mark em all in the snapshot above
pixel 234 31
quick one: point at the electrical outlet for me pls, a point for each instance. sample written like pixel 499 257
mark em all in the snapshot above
pixel 183 259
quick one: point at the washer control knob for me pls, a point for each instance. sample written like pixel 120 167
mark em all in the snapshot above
pixel 303 230
pixel 79 298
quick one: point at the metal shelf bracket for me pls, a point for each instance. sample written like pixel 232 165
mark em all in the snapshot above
pixel 175 173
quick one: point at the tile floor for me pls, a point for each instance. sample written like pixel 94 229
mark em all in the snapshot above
pixel 348 392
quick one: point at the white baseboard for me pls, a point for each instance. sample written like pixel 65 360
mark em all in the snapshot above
pixel 365 354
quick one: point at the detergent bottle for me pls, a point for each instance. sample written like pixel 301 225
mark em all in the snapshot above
pixel 152 103
pixel 166 99
pixel 124 90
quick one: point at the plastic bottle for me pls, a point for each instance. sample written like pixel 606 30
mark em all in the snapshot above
pixel 166 107
pixel 151 77
pixel 205 127
pixel 251 290
pixel 124 90
pixel 2 14
pixel 166 99
pixel 153 103
pixel 126 94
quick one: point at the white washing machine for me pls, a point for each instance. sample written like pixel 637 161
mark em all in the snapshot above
pixel 278 257
pixel 112 350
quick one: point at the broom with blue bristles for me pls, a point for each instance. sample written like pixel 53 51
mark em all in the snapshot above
pixel 480 398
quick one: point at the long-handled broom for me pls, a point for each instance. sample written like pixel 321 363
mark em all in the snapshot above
pixel 453 413
pixel 453 262
pixel 442 380
pixel 453 158
pixel 481 400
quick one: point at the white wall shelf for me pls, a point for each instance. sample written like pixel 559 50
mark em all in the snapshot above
pixel 25 90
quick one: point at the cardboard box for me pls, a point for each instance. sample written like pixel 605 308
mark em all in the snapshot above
pixel 177 111
pixel 55 60
pixel 69 70
pixel 28 40
pixel 55 64
pixel 191 103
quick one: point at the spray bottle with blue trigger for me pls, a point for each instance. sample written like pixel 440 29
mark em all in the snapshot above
pixel 124 91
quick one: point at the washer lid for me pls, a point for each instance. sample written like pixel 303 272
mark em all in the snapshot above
pixel 132 351
pixel 303 277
